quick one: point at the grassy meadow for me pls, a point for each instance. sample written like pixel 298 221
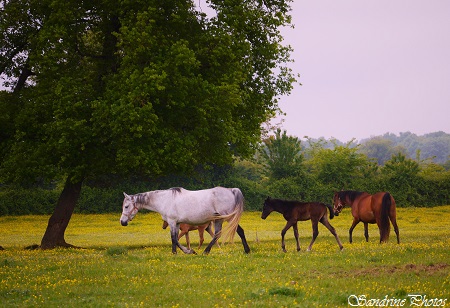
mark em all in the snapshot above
pixel 133 266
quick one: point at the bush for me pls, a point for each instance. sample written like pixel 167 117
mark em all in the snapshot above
pixel 20 201
pixel 99 200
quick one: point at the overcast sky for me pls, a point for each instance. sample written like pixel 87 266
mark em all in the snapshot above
pixel 369 67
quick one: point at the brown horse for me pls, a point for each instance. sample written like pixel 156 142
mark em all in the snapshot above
pixel 378 208
pixel 185 228
pixel 294 211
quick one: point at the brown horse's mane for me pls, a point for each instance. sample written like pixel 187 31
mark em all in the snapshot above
pixel 351 194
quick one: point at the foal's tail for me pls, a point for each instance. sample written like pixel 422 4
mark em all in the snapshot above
pixel 330 209
pixel 234 217
pixel 384 219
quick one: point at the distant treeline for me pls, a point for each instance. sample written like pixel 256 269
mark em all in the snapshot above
pixel 433 146
pixel 283 167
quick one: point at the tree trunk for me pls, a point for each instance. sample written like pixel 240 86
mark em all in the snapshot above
pixel 21 81
pixel 57 224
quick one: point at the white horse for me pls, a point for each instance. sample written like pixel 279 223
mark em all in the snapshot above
pixel 178 205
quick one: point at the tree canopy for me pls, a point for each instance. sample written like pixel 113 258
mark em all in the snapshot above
pixel 147 87
pixel 281 155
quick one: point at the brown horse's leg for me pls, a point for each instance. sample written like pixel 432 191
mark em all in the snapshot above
pixel 188 241
pixel 366 231
pixel 327 224
pixel 200 234
pixel 185 232
pixel 283 232
pixel 355 222
pixel 315 227
pixel 294 226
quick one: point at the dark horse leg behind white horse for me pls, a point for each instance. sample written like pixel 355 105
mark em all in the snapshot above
pixel 217 231
pixel 175 243
pixel 241 234
pixel 218 228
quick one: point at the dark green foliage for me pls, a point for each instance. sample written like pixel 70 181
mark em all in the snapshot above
pixel 317 177
pixel 19 201
pixel 148 88
pixel 153 88
pixel 281 155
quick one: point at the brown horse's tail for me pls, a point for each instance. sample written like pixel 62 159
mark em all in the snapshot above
pixel 330 209
pixel 385 210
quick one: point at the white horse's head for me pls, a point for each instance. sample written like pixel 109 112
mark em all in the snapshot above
pixel 129 209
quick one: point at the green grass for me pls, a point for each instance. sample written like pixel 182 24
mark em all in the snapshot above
pixel 133 266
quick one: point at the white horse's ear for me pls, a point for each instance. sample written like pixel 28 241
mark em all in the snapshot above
pixel 126 196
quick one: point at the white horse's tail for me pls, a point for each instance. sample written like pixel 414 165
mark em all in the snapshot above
pixel 234 217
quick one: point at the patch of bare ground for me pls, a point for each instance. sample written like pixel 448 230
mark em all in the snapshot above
pixel 418 269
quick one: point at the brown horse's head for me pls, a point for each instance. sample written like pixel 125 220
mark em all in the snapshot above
pixel 338 204
pixel 267 208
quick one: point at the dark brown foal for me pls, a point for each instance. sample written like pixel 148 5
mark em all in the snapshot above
pixel 294 211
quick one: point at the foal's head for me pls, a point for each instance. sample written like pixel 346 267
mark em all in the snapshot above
pixel 267 208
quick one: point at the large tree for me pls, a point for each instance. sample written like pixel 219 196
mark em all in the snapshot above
pixel 149 87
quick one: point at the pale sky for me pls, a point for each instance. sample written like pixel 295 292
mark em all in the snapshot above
pixel 369 67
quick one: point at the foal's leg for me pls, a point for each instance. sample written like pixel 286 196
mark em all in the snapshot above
pixel 217 229
pixel 366 231
pixel 294 226
pixel 188 241
pixel 200 234
pixel 241 234
pixel 283 232
pixel 327 224
pixel 315 227
pixel 355 222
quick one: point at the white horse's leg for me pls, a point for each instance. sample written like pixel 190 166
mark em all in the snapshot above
pixel 174 229
pixel 217 230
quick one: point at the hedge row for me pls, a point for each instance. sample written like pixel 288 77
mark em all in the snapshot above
pixel 41 201
pixel 426 192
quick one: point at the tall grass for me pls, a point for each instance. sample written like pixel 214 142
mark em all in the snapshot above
pixel 133 266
